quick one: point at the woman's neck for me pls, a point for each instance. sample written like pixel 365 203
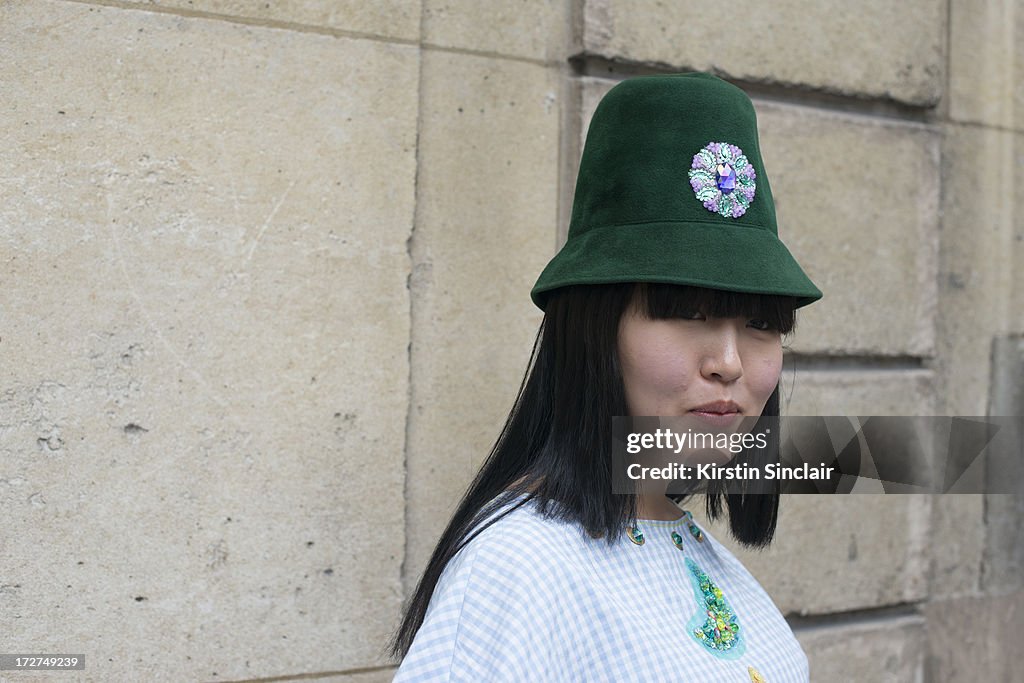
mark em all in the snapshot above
pixel 656 506
pixel 648 505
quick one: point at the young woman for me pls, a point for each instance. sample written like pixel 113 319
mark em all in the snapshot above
pixel 671 297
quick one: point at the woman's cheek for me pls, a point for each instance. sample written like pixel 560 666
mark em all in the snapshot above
pixel 765 373
pixel 665 373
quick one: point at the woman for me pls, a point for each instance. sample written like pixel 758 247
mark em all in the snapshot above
pixel 670 297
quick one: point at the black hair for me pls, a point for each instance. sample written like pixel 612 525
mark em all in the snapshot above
pixel 555 446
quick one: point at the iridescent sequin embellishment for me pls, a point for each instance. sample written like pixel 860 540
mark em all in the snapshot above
pixel 714 624
pixel 723 179
pixel 692 526
pixel 719 630
pixel 755 675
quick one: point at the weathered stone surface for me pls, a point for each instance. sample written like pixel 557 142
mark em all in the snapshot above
pixel 882 650
pixel 986 63
pixel 975 638
pixel 976 271
pixel 1016 311
pixel 817 45
pixel 1003 567
pixel 201 437
pixel 532 29
pixel 856 392
pixel 487 208
pixel 957 543
pixel 857 204
pixel 392 19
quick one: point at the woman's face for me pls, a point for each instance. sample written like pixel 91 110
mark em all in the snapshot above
pixel 670 367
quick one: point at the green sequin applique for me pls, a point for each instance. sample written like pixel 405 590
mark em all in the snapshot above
pixel 715 625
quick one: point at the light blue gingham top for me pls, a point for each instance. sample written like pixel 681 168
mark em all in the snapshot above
pixel 536 599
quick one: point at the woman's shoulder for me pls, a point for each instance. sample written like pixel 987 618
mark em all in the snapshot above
pixel 515 559
pixel 523 543
pixel 523 526
pixel 496 607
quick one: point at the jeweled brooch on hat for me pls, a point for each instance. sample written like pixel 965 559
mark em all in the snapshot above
pixel 723 179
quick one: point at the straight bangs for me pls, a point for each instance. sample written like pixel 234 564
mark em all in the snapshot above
pixel 663 301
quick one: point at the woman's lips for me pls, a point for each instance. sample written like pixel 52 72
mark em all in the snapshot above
pixel 719 407
pixel 717 419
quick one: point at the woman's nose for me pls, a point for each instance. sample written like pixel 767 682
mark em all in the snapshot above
pixel 721 359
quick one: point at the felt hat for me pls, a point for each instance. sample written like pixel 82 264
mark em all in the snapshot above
pixel 671 189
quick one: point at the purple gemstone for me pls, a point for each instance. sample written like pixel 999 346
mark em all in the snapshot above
pixel 725 176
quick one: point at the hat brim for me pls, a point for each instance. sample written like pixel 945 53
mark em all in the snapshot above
pixel 735 258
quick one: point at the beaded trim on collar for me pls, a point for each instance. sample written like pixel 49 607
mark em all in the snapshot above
pixel 637 536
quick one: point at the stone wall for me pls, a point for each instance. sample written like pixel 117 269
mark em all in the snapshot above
pixel 265 275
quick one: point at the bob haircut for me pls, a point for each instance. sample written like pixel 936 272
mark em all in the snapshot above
pixel 555 445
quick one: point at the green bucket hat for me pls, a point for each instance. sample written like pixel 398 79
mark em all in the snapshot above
pixel 671 189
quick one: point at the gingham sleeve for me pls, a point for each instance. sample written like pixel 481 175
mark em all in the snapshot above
pixel 490 617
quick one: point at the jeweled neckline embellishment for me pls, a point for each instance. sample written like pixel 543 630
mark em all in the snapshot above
pixel 637 536
pixel 715 624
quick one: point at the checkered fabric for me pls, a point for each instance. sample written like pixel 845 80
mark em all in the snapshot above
pixel 536 599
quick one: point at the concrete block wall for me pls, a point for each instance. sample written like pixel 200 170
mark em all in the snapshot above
pixel 266 270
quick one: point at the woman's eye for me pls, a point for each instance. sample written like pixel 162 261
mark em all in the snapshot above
pixel 761 324
pixel 691 315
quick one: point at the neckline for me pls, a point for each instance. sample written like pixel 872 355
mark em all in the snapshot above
pixel 681 519
pixel 665 522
